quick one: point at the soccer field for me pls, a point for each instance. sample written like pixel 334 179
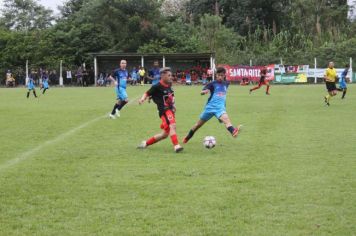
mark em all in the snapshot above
pixel 66 169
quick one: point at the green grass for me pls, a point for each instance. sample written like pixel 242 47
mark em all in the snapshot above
pixel 292 171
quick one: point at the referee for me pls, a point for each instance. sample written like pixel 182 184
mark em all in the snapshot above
pixel 330 81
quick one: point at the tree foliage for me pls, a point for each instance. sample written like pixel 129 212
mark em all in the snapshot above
pixel 261 30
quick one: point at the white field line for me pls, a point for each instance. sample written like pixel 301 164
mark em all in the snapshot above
pixel 25 155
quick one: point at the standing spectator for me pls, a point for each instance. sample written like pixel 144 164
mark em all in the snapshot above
pixel 154 73
pixel 142 73
pixel 79 76
pixel 210 75
pixel 134 76
pixel 69 76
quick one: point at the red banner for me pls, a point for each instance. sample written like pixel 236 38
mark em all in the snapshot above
pixel 251 73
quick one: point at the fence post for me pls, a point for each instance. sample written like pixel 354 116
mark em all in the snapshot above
pixel 95 71
pixel 60 74
pixel 250 62
pixel 26 80
pixel 281 61
pixel 351 72
pixel 315 65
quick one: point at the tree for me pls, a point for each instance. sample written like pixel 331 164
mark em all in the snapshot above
pixel 26 15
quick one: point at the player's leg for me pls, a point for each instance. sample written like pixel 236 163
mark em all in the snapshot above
pixel 192 131
pixel 169 125
pixel 154 139
pixel 330 89
pixel 256 87
pixel 267 89
pixel 205 116
pixel 123 98
pixel 344 93
pixel 226 120
pixel 28 93
pixel 34 93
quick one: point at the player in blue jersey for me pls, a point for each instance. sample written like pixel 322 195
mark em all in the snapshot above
pixel 154 73
pixel 120 77
pixel 216 105
pixel 44 82
pixel 31 86
pixel 342 81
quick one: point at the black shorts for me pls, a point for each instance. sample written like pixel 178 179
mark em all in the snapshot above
pixel 330 86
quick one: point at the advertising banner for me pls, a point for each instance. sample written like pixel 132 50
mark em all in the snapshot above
pixel 251 73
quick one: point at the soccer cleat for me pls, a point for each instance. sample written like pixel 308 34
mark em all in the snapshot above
pixel 142 145
pixel 178 148
pixel 236 131
pixel 268 93
pixel 185 140
pixel 250 91
pixel 111 116
pixel 117 112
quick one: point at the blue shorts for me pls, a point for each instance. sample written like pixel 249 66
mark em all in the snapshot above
pixel 342 85
pixel 31 87
pixel 121 94
pixel 45 85
pixel 208 113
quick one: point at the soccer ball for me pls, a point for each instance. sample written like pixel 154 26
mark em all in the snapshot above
pixel 209 142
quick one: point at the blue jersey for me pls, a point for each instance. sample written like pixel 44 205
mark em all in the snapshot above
pixel 342 82
pixel 31 83
pixel 343 75
pixel 155 74
pixel 121 78
pixel 217 99
pixel 45 81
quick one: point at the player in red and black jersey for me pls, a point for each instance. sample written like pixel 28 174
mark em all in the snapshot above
pixel 263 81
pixel 163 95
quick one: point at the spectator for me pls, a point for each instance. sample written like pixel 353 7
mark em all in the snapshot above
pixel 10 80
pixel 204 78
pixel 101 80
pixel 134 76
pixel 210 75
pixel 188 79
pixel 142 73
pixel 79 76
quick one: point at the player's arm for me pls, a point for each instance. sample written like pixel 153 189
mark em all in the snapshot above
pixel 147 95
pixel 207 89
pixel 143 98
pixel 112 79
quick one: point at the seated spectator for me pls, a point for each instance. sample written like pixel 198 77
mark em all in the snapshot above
pixel 101 80
pixel 188 79
pixel 204 78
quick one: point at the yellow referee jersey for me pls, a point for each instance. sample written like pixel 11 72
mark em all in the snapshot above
pixel 330 75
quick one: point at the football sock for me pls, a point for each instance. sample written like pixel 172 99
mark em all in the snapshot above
pixel 344 93
pixel 44 90
pixel 34 93
pixel 151 141
pixel 28 94
pixel 231 129
pixel 122 104
pixel 267 90
pixel 327 98
pixel 114 109
pixel 174 139
pixel 190 134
